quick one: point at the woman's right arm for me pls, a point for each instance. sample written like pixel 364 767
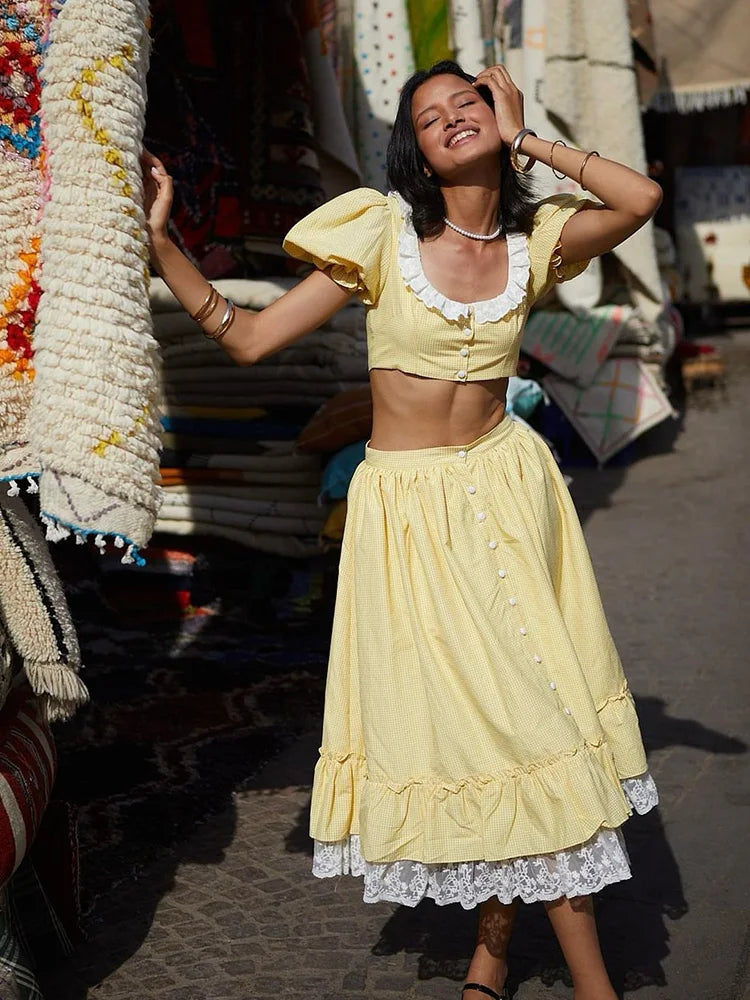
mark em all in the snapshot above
pixel 252 336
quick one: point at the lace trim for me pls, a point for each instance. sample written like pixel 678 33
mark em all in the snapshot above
pixel 641 793
pixel 486 310
pixel 578 871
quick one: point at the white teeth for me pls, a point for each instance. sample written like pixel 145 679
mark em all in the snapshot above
pixel 462 135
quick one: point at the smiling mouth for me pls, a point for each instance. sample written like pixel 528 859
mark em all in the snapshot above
pixel 467 133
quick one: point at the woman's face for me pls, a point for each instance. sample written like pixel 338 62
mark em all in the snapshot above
pixel 454 126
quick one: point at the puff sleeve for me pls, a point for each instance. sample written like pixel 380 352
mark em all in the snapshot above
pixel 349 238
pixel 549 219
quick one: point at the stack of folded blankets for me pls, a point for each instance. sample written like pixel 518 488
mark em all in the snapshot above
pixel 230 465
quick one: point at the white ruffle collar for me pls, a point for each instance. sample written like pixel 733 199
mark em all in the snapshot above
pixel 486 310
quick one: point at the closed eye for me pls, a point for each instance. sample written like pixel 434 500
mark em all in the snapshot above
pixel 430 122
pixel 466 104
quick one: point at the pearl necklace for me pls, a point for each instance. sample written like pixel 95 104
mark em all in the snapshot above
pixel 473 236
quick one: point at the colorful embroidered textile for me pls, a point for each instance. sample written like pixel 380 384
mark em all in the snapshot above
pixel 21 33
pixel 383 59
pixel 93 421
pixel 245 168
pixel 622 402
pixel 575 346
pixel 428 23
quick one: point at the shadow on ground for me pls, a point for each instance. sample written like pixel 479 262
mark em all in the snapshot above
pixel 633 917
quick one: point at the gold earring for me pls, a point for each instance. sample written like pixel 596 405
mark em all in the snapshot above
pixel 427 171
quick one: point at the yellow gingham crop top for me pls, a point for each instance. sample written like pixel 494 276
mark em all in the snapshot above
pixel 366 242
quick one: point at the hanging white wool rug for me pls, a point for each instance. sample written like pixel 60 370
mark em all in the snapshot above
pixel 94 420
pixel 21 33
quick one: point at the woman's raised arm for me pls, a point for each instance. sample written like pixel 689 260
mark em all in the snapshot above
pixel 252 336
pixel 629 198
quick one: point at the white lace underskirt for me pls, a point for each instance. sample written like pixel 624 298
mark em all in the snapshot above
pixel 577 871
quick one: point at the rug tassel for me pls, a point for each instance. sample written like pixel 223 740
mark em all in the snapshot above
pixel 59 688
pixel 100 544
pixel 55 531
pixel 33 486
pixel 128 557
pixel 14 489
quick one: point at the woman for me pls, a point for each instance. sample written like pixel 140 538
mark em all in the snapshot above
pixel 480 744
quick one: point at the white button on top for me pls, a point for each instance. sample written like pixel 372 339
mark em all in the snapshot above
pixel 467 334
pixel 492 545
pixel 553 685
pixel 512 601
pixel 523 630
pixel 537 658
pixel 462 454
pixel 567 711
pixel 501 574
pixel 464 352
pixel 481 515
pixel 461 374
pixel 471 489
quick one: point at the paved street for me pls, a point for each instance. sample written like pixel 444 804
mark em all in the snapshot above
pixel 232 913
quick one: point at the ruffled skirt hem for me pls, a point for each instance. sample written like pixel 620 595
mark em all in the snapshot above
pixel 577 871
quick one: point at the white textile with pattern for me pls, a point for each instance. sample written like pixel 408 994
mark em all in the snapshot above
pixel 578 871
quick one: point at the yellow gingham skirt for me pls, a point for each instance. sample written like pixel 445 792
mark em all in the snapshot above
pixel 476 708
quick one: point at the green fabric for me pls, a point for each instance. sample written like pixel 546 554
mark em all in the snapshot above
pixel 428 21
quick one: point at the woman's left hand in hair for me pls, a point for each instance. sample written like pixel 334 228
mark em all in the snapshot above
pixel 507 98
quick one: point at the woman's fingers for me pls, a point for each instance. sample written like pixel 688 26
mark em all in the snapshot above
pixel 498 74
pixel 152 164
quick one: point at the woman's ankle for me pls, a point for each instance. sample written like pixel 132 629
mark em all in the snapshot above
pixel 487 969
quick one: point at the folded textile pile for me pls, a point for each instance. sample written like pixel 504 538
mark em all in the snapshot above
pixel 196 372
pixel 230 465
pixel 599 375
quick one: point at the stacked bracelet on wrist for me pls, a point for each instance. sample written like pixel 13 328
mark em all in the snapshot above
pixel 515 149
pixel 209 304
pixel 226 321
pixel 207 309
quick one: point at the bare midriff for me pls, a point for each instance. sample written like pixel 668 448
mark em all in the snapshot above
pixel 410 411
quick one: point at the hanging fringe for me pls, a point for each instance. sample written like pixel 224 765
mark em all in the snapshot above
pixel 31 483
pixel 59 688
pixel 687 102
pixel 57 531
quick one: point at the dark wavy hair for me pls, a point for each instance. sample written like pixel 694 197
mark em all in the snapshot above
pixel 405 165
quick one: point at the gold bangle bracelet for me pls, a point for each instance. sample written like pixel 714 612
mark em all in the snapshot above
pixel 586 159
pixel 226 321
pixel 209 304
pixel 557 142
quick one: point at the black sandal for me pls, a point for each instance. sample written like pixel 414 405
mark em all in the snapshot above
pixel 487 991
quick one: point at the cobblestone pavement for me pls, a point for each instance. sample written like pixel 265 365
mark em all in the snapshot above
pixel 669 539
